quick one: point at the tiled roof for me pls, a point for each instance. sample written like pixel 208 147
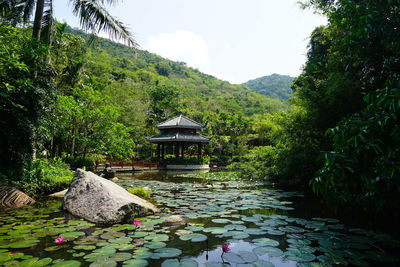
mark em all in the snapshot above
pixel 179 122
pixel 179 137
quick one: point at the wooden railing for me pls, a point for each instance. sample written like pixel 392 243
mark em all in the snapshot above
pixel 126 164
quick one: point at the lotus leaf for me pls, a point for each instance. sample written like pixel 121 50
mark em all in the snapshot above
pixel 179 263
pixel 135 263
pixel 265 242
pixel 155 244
pixel 220 221
pixel 157 237
pixel 256 264
pixel 103 263
pixel 235 227
pixel 271 251
pixel 241 257
pixel 194 237
pixel 168 252
pixel 69 263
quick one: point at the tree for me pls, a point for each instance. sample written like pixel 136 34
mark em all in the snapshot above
pixel 92 14
pixel 23 100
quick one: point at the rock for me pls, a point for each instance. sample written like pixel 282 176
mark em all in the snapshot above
pixel 101 201
pixel 174 220
pixel 114 179
pixel 11 197
pixel 60 194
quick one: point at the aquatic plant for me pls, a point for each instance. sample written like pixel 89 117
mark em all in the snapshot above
pixel 225 248
pixel 59 239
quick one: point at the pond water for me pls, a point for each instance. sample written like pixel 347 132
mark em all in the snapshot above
pixel 258 223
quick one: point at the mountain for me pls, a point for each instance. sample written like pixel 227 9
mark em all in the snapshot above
pixel 116 65
pixel 274 86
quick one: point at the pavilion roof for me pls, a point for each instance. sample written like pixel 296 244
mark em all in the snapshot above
pixel 179 122
pixel 178 137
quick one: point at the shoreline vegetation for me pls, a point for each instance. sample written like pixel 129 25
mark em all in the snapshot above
pixel 67 102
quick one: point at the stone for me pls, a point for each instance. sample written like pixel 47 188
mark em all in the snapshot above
pixel 60 194
pixel 101 201
pixel 174 220
pixel 11 197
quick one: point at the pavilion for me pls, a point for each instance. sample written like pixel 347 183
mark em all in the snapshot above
pixel 179 132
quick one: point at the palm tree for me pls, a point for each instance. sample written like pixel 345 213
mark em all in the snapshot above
pixel 92 13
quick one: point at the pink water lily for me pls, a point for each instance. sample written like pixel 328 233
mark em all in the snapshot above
pixel 59 240
pixel 136 222
pixel 225 248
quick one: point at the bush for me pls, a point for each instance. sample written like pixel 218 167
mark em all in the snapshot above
pixel 80 162
pixel 187 160
pixel 140 192
pixel 44 177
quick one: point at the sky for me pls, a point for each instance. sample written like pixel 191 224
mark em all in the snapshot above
pixel 233 40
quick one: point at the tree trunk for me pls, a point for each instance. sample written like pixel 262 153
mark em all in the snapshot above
pixel 37 23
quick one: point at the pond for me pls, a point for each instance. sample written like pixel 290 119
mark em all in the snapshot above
pixel 258 223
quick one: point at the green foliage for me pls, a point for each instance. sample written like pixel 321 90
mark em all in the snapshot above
pixel 274 86
pixel 258 163
pixel 44 176
pixel 187 160
pixel 80 162
pixel 26 92
pixel 140 192
pixel 347 89
pixel 363 166
pixel 213 176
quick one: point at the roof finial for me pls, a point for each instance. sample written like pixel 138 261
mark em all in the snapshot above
pixel 180 113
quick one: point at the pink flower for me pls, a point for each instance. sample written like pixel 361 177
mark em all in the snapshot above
pixel 59 240
pixel 225 248
pixel 136 222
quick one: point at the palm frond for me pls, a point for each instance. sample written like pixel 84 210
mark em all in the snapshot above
pixel 29 6
pixel 48 23
pixel 95 18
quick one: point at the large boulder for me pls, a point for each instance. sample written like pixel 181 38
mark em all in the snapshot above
pixel 101 201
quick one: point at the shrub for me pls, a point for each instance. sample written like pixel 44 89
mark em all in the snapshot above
pixel 44 176
pixel 140 192
pixel 80 162
pixel 187 160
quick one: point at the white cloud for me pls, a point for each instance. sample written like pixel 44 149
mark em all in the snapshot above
pixel 181 45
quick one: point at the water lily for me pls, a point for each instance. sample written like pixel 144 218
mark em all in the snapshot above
pixel 225 248
pixel 136 222
pixel 59 239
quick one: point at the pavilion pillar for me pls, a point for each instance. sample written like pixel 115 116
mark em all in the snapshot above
pixel 158 151
pixel 199 150
pixel 183 150
pixel 176 150
pixel 163 151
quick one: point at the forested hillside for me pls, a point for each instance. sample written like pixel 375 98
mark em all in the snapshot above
pixel 97 99
pixel 274 86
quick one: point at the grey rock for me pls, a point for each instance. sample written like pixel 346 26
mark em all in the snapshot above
pixel 101 201
pixel 174 220
pixel 60 194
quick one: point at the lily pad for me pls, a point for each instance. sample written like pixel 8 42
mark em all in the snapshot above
pixel 135 263
pixel 221 221
pixel 70 263
pixel 256 264
pixel 179 263
pixel 194 237
pixel 157 237
pixel 241 257
pixel 265 242
pixel 168 252
pixel 271 251
pixel 155 245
